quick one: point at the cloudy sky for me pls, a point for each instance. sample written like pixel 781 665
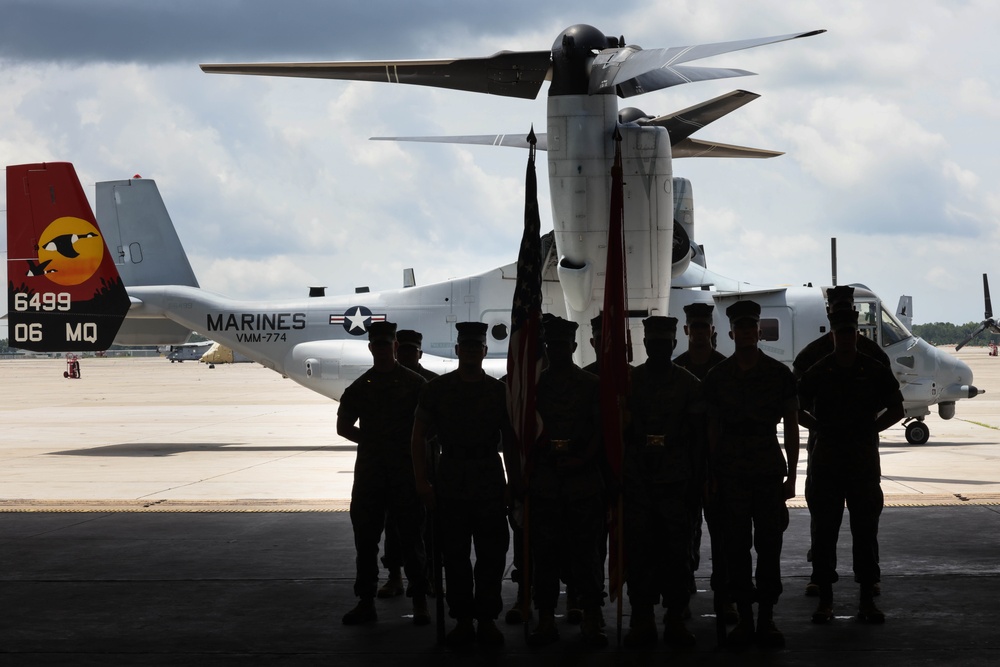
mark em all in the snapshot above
pixel 889 124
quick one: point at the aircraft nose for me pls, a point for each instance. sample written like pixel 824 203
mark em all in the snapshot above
pixel 956 378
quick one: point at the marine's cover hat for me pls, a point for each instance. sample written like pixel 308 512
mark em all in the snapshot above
pixel 382 332
pixel 657 327
pixel 841 296
pixel 699 312
pixel 409 337
pixel 743 310
pixel 471 331
pixel 558 329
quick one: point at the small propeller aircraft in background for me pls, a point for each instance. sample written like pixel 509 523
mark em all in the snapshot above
pixel 126 279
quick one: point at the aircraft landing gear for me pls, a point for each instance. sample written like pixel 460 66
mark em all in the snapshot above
pixel 917 432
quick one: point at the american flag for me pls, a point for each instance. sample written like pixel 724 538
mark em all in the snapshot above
pixel 524 354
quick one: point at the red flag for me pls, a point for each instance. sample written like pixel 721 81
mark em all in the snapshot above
pixel 614 358
pixel 524 353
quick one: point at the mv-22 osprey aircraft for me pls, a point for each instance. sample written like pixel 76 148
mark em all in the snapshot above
pixel 319 342
pixel 67 292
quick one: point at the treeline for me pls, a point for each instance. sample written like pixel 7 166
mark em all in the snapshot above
pixel 946 333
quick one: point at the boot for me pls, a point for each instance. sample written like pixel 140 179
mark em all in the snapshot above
pixel 463 634
pixel 593 636
pixel 420 614
pixel 574 610
pixel 743 634
pixel 642 629
pixel 731 616
pixel 545 632
pixel 867 611
pixel 515 615
pixel 824 611
pixel 488 634
pixel 675 634
pixel 393 585
pixel 364 612
pixel 768 634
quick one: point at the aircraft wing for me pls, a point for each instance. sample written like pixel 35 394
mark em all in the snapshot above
pixel 512 74
pixel 633 71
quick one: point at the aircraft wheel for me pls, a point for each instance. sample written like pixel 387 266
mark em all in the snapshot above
pixel 917 433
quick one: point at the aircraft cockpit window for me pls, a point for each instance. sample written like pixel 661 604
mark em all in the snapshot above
pixel 892 330
pixel 867 319
pixel 499 331
pixel 769 329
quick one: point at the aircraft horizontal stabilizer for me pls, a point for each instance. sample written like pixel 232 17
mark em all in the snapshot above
pixel 511 74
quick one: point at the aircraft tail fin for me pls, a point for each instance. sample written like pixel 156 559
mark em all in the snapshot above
pixel 147 251
pixel 64 292
pixel 904 311
pixel 136 224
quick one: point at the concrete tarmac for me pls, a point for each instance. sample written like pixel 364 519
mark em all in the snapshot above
pixel 166 514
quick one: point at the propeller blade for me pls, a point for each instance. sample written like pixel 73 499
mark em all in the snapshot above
pixel 699 148
pixel 632 70
pixel 506 140
pixel 986 296
pixel 979 330
pixel 508 73
pixel 682 124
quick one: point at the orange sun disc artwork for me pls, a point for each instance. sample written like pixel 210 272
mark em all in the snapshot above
pixel 73 249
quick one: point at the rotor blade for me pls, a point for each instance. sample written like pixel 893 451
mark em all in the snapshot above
pixel 617 67
pixel 682 124
pixel 512 74
pixel 506 140
pixel 697 148
pixel 986 297
pixel 979 330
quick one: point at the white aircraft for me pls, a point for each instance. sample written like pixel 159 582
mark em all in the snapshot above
pixel 76 295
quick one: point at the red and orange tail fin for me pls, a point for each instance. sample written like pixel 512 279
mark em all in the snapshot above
pixel 64 292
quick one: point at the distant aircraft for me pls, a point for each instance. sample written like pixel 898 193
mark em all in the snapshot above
pixel 321 342
pixel 188 352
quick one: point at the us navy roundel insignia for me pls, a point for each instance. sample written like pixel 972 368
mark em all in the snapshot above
pixel 356 319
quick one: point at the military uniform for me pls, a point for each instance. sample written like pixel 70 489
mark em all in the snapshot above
pixel 745 407
pixel 701 312
pixel 565 485
pixel 469 418
pixel 840 298
pixel 661 453
pixel 700 371
pixel 392 558
pixel 845 400
pixel 384 404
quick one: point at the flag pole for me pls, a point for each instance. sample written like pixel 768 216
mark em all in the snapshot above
pixel 524 358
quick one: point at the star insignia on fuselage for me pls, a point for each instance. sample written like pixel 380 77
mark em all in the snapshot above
pixel 356 320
